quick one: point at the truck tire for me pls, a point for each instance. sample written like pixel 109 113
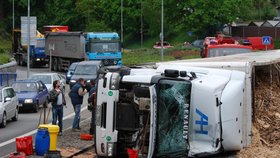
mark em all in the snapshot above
pixel 31 63
pixel 55 64
pixel 59 64
pixel 20 60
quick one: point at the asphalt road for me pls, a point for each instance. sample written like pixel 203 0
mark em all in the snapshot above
pixel 28 121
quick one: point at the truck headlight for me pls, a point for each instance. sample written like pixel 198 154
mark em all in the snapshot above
pixel 73 81
pixel 28 101
pixel 110 147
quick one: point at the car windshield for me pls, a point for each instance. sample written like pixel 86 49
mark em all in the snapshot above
pixel 73 66
pixel 25 87
pixel 105 47
pixel 214 52
pixel 46 79
pixel 85 70
pixel 173 118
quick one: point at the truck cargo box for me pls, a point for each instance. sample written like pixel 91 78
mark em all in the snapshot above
pixel 66 44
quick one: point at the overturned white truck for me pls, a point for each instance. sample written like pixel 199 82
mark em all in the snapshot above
pixel 178 109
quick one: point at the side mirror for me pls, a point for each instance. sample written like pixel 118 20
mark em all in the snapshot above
pixel 71 73
pixel 8 99
pixel 87 47
pixel 41 89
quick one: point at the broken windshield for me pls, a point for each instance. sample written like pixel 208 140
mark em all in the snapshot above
pixel 173 116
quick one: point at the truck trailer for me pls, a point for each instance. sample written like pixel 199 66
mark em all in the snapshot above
pixel 64 48
pixel 184 108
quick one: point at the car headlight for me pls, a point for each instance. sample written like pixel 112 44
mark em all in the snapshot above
pixel 28 101
pixel 38 59
pixel 68 75
pixel 73 81
pixel 88 81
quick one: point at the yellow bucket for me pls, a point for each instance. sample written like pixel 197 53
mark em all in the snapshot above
pixel 53 130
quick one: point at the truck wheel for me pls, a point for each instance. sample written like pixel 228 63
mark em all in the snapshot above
pixel 55 64
pixel 31 63
pixel 17 59
pixel 59 65
pixel 20 60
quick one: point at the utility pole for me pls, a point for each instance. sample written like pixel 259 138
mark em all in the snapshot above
pixel 122 21
pixel 13 14
pixel 141 24
pixel 162 51
pixel 28 39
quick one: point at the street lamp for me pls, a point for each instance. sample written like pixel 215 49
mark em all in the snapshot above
pixel 28 39
pixel 161 35
pixel 122 21
pixel 141 24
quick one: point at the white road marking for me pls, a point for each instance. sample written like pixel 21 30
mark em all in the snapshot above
pixel 34 131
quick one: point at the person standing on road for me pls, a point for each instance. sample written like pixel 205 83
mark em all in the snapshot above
pixel 57 99
pixel 91 106
pixel 77 95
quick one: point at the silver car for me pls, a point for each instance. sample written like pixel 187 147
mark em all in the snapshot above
pixel 48 78
pixel 8 105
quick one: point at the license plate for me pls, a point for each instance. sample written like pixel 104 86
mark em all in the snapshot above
pixel 20 105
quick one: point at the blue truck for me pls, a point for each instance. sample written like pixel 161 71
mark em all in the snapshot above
pixel 104 46
pixel 69 47
pixel 37 52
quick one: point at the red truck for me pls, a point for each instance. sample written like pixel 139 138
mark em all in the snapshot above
pixel 221 46
pixel 256 43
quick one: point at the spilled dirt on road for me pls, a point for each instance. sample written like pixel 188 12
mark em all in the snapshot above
pixel 266 114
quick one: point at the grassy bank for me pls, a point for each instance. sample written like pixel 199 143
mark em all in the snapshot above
pixel 5 47
pixel 141 56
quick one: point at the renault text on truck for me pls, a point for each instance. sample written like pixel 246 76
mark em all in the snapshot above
pixel 105 46
pixel 171 111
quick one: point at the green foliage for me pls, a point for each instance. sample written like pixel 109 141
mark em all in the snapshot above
pixel 203 17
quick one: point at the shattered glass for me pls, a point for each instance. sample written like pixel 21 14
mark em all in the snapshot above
pixel 173 116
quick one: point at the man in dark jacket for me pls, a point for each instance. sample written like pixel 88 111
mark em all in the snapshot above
pixel 57 99
pixel 77 94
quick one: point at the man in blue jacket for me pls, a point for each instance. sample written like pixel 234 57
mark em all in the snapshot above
pixel 77 95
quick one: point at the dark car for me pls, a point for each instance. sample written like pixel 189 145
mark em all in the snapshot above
pixel 198 43
pixel 86 70
pixel 31 94
pixel 70 72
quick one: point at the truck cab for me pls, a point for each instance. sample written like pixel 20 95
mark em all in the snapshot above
pixel 104 46
pixel 171 111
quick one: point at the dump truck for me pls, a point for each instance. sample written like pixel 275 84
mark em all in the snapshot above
pixel 183 108
pixel 65 48
pixel 37 55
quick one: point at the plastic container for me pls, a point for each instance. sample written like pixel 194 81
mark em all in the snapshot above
pixel 132 153
pixel 53 131
pixel 17 155
pixel 25 145
pixel 86 136
pixel 42 142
